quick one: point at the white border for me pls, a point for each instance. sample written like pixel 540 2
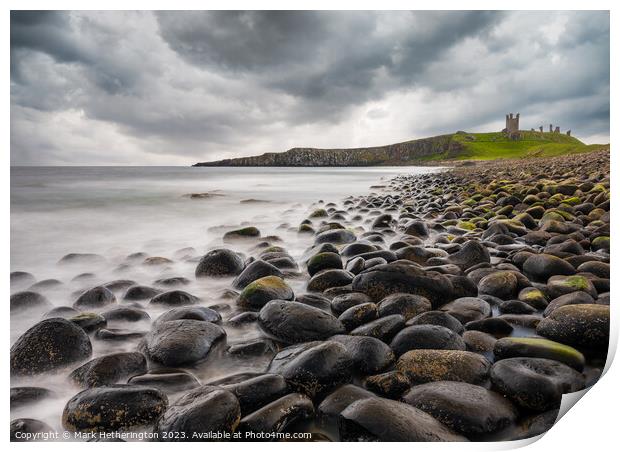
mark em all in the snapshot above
pixel 591 426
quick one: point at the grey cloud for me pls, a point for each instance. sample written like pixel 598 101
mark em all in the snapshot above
pixel 198 85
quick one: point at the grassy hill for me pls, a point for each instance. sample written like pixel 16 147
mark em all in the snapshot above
pixel 495 145
pixel 455 146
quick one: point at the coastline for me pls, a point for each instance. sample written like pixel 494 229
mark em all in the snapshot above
pixel 453 267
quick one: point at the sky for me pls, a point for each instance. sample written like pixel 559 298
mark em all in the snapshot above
pixel 175 88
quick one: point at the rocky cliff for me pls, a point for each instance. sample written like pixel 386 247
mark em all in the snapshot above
pixel 392 154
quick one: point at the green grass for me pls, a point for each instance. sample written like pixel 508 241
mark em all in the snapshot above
pixel 496 145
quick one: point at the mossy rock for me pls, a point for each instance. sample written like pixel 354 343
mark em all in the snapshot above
pixel 534 297
pixel 305 228
pixel 322 261
pixel 581 325
pixel 243 233
pixel 601 242
pixel 534 347
pixel 467 225
pixel 258 293
pixel 318 213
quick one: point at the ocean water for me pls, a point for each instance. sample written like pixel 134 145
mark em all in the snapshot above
pixel 118 211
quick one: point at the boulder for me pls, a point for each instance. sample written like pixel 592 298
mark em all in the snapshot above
pixel 48 346
pixel 465 408
pixel 293 322
pixel 534 383
pixel 113 408
pixel 200 412
pixel 424 366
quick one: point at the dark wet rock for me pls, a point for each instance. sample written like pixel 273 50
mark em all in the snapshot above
pixel 416 228
pixel 314 368
pixel 501 284
pixel 516 307
pixel 472 253
pixel 243 318
pixel 89 321
pixel 419 254
pixel 109 369
pixel 536 347
pixel 256 392
pixel 113 408
pixel 382 280
pixel 492 325
pixel 341 398
pixel 219 263
pixel 346 301
pixel 479 342
pixel 600 269
pixel 181 342
pixel 256 270
pixel 355 265
pixel 323 261
pixel 49 345
pixel 82 259
pixel 369 355
pixel 389 384
pixel 137 293
pixel 126 315
pixel 407 305
pixel 118 334
pixel 335 236
pixel 583 325
pixel 467 309
pixel 540 267
pixel 253 347
pixel 278 415
pixel 357 248
pixel 294 322
pixel 95 298
pixel 169 381
pixel 201 411
pixel 578 297
pixel 437 318
pixel 424 366
pixel 314 300
pixel 174 298
pixel 190 313
pixel 384 328
pixel 29 303
pixel 28 395
pixel 378 419
pixel 524 320
pixel 358 315
pixel 426 337
pixel 258 293
pixel 64 312
pixel 24 429
pixel 534 383
pixel 326 279
pixel 173 281
pixel 465 408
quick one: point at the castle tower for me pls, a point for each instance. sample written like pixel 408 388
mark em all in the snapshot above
pixel 512 124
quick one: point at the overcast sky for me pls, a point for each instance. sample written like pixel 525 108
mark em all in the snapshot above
pixel 174 88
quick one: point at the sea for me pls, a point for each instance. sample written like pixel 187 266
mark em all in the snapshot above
pixel 116 212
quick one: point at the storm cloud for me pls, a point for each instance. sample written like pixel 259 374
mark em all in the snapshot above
pixel 173 88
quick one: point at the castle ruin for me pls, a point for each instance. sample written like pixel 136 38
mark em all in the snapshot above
pixel 512 127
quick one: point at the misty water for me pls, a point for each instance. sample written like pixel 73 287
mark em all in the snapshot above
pixel 118 211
